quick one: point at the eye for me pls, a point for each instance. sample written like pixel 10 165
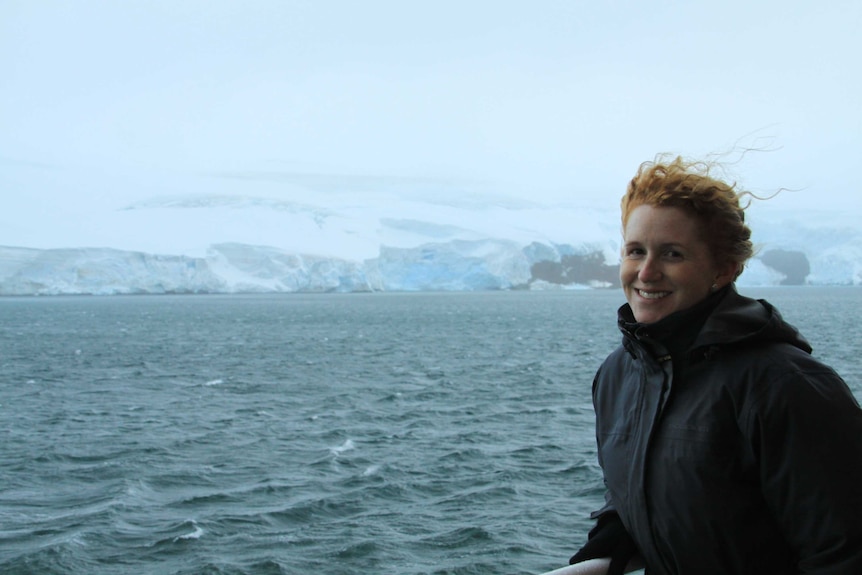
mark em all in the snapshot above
pixel 672 254
pixel 634 252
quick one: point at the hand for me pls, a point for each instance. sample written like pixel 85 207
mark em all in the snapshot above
pixel 608 538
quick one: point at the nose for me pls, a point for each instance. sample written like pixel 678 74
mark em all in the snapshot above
pixel 650 270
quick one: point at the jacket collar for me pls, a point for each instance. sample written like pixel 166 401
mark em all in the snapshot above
pixel 723 318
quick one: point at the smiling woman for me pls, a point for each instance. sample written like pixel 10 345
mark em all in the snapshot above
pixel 667 265
pixel 684 236
pixel 725 446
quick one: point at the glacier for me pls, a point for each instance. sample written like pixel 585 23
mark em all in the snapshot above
pixel 317 239
pixel 240 268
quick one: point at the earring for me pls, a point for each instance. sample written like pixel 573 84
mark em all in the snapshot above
pixel 714 287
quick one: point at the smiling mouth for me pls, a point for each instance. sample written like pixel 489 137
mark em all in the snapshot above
pixel 652 294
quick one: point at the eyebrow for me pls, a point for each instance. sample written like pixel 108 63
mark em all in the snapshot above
pixel 662 246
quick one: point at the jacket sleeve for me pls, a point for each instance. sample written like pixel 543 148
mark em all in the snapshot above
pixel 608 507
pixel 805 431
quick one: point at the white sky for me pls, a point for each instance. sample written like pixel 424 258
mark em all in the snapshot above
pixel 549 99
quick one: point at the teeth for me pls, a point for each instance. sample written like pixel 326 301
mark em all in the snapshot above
pixel 652 294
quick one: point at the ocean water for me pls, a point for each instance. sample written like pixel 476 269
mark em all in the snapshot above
pixel 447 433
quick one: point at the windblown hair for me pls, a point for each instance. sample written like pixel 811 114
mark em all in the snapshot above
pixel 689 186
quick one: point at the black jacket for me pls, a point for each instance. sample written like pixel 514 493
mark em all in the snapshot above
pixel 730 450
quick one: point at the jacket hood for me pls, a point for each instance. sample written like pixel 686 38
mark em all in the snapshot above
pixel 728 319
pixel 741 320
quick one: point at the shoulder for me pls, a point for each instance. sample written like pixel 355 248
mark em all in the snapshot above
pixel 619 360
pixel 778 381
pixel 760 368
pixel 612 381
pixel 616 357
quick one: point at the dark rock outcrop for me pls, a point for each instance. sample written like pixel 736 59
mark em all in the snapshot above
pixel 793 264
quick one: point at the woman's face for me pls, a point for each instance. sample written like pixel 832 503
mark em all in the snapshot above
pixel 666 265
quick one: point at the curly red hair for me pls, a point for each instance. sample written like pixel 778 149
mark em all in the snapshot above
pixel 689 186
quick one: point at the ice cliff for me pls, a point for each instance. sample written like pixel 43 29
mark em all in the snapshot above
pixel 455 265
pixel 225 243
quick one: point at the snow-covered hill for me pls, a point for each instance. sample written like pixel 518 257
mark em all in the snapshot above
pixel 316 237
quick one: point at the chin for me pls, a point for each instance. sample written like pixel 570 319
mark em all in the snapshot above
pixel 649 313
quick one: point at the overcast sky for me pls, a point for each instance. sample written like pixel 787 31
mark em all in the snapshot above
pixel 556 99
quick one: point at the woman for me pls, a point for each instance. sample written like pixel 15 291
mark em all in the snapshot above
pixel 726 448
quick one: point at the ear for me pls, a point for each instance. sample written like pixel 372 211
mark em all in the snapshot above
pixel 726 273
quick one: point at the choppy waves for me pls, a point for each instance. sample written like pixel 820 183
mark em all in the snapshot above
pixel 412 434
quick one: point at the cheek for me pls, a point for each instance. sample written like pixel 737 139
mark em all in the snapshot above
pixel 627 271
